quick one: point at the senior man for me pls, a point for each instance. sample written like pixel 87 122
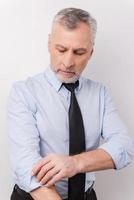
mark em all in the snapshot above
pixel 57 118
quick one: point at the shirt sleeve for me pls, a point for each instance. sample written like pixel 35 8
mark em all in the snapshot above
pixel 23 136
pixel 118 143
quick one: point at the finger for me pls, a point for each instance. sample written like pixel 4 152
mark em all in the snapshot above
pixel 49 175
pixel 44 169
pixel 39 165
pixel 55 179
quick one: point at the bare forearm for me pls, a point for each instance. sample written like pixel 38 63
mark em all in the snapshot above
pixel 54 168
pixel 94 161
pixel 45 193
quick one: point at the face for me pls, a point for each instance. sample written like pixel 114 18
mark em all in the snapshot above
pixel 70 51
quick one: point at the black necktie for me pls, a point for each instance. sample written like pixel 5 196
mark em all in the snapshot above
pixel 76 184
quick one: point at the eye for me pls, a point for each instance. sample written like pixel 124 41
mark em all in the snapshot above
pixel 79 52
pixel 61 50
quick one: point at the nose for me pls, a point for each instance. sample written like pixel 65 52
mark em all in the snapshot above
pixel 68 60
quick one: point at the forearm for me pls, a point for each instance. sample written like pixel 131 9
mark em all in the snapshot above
pixel 94 161
pixel 45 193
pixel 54 168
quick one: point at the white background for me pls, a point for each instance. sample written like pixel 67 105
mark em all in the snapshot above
pixel 24 28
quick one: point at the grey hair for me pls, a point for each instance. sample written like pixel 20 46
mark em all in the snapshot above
pixel 71 17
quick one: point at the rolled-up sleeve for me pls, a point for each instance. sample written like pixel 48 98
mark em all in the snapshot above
pixel 23 136
pixel 118 143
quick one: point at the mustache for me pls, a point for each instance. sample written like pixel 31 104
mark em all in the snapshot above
pixel 68 71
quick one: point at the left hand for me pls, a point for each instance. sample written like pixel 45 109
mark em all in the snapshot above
pixel 55 167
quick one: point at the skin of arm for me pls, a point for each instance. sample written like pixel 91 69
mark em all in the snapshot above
pixel 45 193
pixel 94 161
pixel 53 168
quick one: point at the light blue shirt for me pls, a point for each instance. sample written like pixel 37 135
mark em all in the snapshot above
pixel 38 125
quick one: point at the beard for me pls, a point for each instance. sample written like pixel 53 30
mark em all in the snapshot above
pixel 67 80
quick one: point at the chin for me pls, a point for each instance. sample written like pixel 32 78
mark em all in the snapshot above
pixel 68 80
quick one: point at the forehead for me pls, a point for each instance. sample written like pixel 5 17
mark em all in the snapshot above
pixel 78 37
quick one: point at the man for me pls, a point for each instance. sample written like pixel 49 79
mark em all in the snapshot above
pixel 45 132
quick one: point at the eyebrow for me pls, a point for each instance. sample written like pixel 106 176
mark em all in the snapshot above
pixel 75 50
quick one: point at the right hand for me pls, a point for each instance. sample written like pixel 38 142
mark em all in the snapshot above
pixel 45 193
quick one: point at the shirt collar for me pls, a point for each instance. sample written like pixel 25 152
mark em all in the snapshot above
pixel 55 82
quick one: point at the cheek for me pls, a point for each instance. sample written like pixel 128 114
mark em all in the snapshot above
pixel 81 64
pixel 55 59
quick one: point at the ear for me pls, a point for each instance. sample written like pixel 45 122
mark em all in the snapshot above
pixel 91 53
pixel 49 41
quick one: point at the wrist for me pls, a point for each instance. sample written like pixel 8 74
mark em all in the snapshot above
pixel 78 163
pixel 44 192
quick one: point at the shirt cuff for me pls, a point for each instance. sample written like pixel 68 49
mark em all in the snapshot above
pixel 120 155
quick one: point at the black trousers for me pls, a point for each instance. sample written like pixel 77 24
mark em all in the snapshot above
pixel 19 194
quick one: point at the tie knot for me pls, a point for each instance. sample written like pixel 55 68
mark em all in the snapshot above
pixel 71 86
